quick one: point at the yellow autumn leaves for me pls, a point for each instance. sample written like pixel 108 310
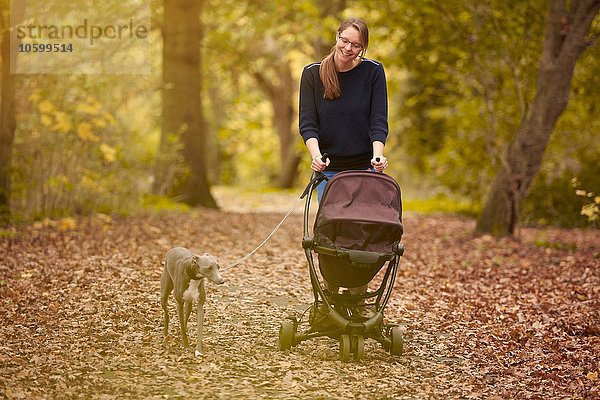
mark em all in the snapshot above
pixel 87 122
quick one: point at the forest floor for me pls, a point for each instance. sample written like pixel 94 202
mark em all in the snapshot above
pixel 483 318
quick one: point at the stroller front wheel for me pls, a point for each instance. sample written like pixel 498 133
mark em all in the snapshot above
pixel 397 339
pixel 345 348
pixel 358 347
pixel 286 335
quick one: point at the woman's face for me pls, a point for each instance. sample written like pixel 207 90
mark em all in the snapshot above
pixel 348 45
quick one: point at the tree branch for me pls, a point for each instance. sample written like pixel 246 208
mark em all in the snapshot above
pixel 269 88
pixel 552 31
pixel 575 39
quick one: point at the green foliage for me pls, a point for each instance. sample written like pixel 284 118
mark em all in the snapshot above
pixel 467 62
pixel 560 194
pixel 460 77
pixel 472 69
pixel 248 147
pixel 162 203
pixel 571 161
pixel 248 45
pixel 441 203
pixel 73 153
pixel 6 234
pixel 555 245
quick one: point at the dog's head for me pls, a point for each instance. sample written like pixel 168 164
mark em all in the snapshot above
pixel 205 266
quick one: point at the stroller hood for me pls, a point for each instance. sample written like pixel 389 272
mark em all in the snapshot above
pixel 360 210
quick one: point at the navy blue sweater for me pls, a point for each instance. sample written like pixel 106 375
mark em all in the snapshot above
pixel 346 127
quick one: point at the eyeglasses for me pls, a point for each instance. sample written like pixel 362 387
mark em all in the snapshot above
pixel 355 46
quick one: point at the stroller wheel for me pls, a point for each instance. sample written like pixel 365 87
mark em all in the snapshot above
pixel 397 346
pixel 345 348
pixel 358 347
pixel 286 335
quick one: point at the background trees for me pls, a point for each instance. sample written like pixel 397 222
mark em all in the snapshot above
pixel 182 112
pixel 473 80
pixel 462 81
pixel 7 111
pixel 565 38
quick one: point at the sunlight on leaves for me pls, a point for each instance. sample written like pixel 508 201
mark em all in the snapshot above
pixel 109 153
pixel 63 122
pixel 85 133
pixel 92 108
pixel 46 106
pixel 46 120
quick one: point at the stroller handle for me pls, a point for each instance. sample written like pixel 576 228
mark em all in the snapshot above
pixel 316 179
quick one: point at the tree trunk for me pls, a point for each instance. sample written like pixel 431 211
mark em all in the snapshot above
pixel 182 106
pixel 564 41
pixel 8 122
pixel 281 96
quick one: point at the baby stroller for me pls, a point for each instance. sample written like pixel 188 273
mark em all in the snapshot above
pixel 357 232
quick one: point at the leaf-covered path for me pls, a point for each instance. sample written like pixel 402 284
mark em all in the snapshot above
pixel 483 318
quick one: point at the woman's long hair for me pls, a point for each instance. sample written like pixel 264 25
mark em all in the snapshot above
pixel 327 71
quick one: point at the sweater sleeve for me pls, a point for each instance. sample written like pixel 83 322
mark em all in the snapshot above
pixel 308 119
pixel 378 129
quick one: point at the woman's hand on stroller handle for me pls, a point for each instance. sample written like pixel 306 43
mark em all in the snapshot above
pixel 320 162
pixel 379 163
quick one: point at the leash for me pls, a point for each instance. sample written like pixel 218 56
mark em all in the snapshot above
pixel 316 179
pixel 241 260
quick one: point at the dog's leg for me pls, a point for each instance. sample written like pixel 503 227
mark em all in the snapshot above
pixel 188 310
pixel 200 315
pixel 166 287
pixel 182 323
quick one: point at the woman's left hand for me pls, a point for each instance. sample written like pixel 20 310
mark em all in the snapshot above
pixel 380 165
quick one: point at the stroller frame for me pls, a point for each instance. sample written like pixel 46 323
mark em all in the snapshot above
pixel 336 314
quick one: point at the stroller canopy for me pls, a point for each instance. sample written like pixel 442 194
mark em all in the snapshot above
pixel 360 210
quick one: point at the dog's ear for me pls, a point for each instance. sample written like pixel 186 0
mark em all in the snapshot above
pixel 210 260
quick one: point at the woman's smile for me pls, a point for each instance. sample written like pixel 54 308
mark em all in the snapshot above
pixel 348 47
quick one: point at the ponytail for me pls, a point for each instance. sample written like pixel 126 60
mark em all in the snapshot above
pixel 330 77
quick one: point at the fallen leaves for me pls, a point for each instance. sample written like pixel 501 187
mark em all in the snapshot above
pixel 483 317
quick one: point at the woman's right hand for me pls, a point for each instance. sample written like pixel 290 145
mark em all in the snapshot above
pixel 318 165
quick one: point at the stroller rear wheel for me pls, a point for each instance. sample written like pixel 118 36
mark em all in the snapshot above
pixel 286 335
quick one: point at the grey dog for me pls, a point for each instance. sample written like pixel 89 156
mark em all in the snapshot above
pixel 184 274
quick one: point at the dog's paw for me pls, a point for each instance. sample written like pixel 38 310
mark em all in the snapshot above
pixel 198 353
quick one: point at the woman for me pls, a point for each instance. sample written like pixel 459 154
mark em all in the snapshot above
pixel 343 109
pixel 343 106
